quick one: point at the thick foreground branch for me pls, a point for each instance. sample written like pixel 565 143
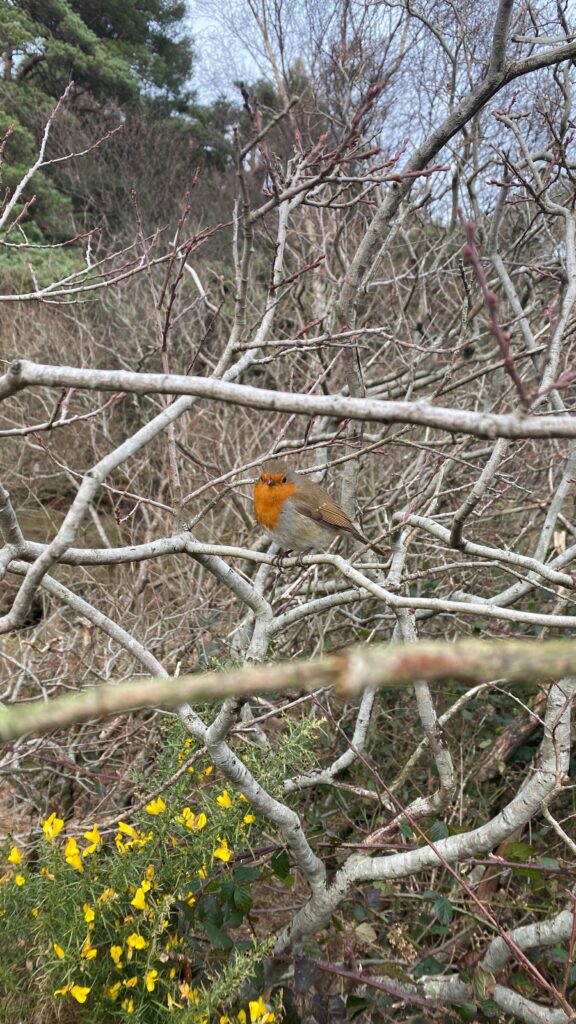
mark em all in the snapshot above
pixel 24 374
pixel 350 672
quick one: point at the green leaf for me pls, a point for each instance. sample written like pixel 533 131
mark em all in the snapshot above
pixel 210 910
pixel 246 874
pixel 356 1005
pixel 429 965
pixel 280 864
pixel 489 1008
pixel 227 890
pixel 218 936
pixel 439 830
pixel 466 1012
pixel 243 899
pixel 519 851
pixel 531 873
pixel 443 910
pixel 548 862
pixel 234 917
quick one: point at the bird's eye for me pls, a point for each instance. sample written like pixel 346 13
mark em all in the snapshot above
pixel 284 479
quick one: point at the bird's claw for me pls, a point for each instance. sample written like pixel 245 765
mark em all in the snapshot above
pixel 279 558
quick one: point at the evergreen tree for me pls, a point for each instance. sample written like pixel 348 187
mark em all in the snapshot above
pixel 114 50
pixel 124 56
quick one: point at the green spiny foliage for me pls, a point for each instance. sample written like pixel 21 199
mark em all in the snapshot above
pixel 149 914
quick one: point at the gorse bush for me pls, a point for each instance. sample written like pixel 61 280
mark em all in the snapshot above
pixel 135 920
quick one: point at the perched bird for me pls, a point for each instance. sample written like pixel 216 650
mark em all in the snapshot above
pixel 299 514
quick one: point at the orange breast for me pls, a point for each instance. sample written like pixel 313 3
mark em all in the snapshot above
pixel 269 501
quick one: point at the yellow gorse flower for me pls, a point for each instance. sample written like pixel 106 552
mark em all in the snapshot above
pixel 94 838
pixel 259 1013
pixel 14 857
pixel 78 992
pixel 72 854
pixel 191 994
pixel 156 806
pixel 88 951
pixel 139 900
pixel 20 880
pixel 136 839
pixel 135 941
pixel 52 826
pixel 127 830
pixel 223 852
pixel 58 950
pixel 116 954
pixel 150 980
pixel 89 913
pixel 224 799
pixel 190 820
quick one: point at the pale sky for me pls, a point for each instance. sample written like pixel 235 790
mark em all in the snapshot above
pixel 221 56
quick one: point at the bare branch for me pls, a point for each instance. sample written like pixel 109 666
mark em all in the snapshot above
pixel 471 662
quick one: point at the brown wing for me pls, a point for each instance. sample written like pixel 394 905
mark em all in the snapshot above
pixel 327 513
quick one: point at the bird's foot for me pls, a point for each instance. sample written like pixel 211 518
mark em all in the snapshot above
pixel 279 557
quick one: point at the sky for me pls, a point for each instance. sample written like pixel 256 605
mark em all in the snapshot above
pixel 222 57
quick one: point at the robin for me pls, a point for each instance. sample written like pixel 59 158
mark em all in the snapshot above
pixel 299 514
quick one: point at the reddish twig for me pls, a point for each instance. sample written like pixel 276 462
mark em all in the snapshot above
pixel 391 990
pixel 571 947
pixel 298 273
pixel 502 337
pixel 530 968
